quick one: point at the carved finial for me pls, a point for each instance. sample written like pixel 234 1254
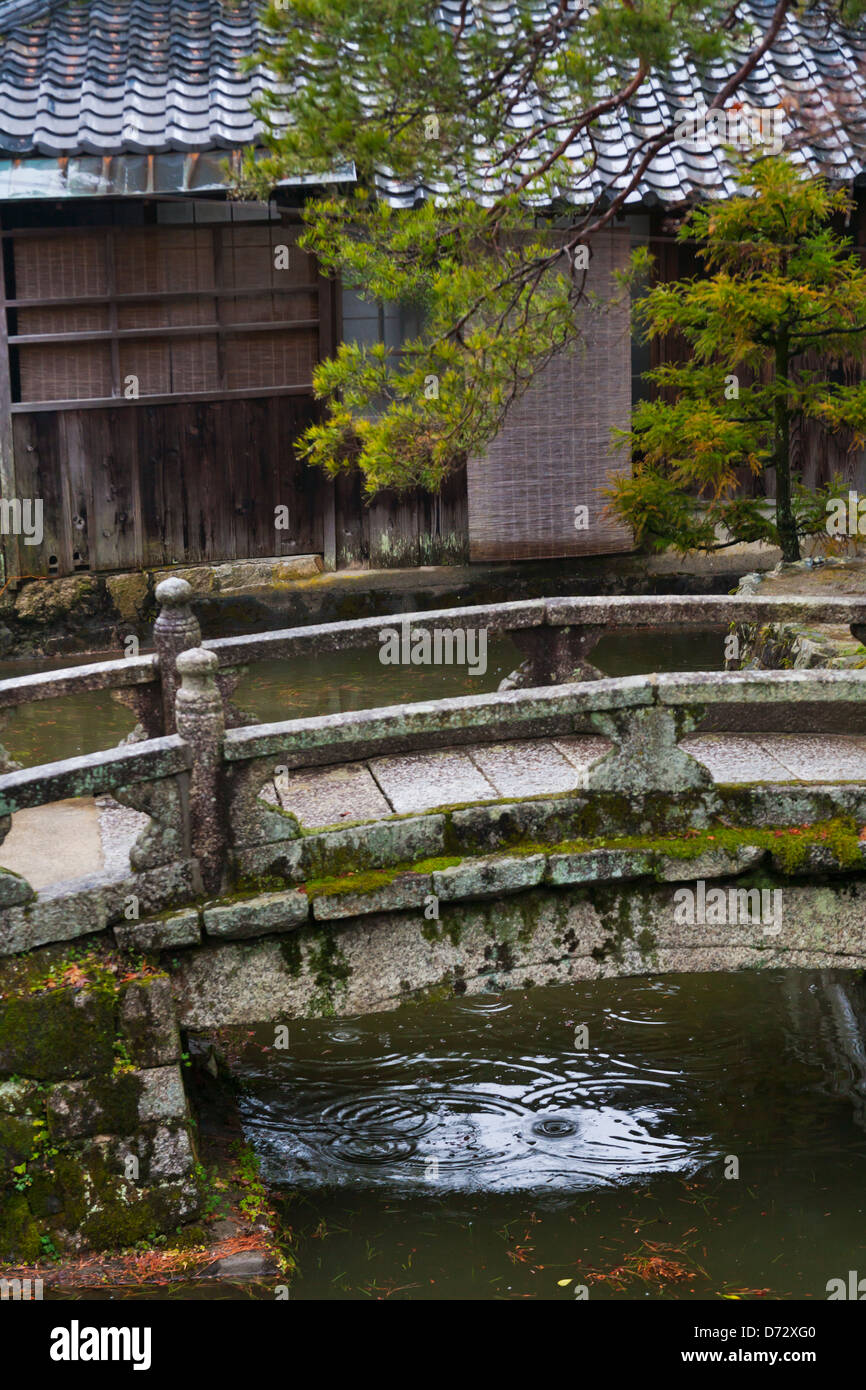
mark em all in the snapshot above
pixel 197 667
pixel 173 593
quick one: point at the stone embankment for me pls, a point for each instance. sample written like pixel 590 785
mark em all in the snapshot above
pixel 790 645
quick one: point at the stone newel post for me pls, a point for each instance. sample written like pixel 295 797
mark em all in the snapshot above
pixel 200 721
pixel 176 630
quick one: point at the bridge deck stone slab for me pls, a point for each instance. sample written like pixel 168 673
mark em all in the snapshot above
pixel 527 768
pixel 812 759
pixel 420 781
pixel 780 757
pixel 332 794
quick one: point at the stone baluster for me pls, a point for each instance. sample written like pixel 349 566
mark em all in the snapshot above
pixel 554 655
pixel 176 630
pixel 646 756
pixel 200 721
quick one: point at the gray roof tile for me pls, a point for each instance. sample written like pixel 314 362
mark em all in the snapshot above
pixel 153 76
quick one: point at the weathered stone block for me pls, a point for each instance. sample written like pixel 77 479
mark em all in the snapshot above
pixel 598 866
pixel 406 890
pixel 129 593
pixel 485 878
pixel 119 1213
pixel 16 1141
pixel 480 829
pixel 272 912
pixel 160 933
pixel 200 578
pixel 19 1234
pixel 147 1022
pixel 14 889
pixel 162 1094
pixel 95 906
pixel 714 864
pixel 17 1097
pixel 165 1154
pixel 169 1154
pixel 46 600
pixel 101 1105
pixel 64 1032
pixel 377 846
pixel 253 574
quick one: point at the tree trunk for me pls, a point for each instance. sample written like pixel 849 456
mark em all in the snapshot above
pixel 785 522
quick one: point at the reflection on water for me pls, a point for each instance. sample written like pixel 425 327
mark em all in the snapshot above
pixel 331 683
pixel 452 1131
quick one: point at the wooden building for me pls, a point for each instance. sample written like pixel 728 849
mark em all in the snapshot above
pixel 157 339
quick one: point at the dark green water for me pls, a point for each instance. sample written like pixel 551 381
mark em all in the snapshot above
pixel 330 684
pixel 468 1150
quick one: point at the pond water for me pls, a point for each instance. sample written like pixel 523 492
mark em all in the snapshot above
pixel 329 684
pixel 471 1150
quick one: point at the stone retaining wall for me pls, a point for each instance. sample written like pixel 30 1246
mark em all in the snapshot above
pixel 96 1143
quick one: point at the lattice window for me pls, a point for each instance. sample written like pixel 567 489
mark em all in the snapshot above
pixel 112 313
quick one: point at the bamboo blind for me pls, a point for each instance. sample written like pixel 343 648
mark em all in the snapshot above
pixel 553 453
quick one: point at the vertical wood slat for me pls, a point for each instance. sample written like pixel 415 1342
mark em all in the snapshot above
pixel 39 475
pixel 9 549
pixel 76 483
pixel 111 285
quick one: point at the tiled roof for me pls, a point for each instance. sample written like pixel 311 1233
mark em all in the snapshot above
pixel 125 77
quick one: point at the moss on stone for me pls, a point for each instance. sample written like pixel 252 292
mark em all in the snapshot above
pixel 290 950
pixel 249 885
pixel 62 1033
pixel 366 882
pixel 330 970
pixel 19 1233
pixel 112 1101
pixel 791 844
pixel 369 880
pixel 16 1141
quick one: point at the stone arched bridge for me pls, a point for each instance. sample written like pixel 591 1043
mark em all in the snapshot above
pixel 371 823
pixel 560 828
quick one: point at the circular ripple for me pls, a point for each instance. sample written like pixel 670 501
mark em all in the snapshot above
pixel 484 1006
pixel 344 1035
pixel 371 1148
pixel 373 1115
pixel 554 1127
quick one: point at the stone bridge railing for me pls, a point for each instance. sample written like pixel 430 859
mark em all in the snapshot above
pixel 198 770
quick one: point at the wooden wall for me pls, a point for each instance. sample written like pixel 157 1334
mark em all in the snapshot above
pixel 392 530
pixel 148 485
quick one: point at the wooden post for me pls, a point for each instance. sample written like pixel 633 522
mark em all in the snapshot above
pixel 176 630
pixel 200 721
pixel 329 556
